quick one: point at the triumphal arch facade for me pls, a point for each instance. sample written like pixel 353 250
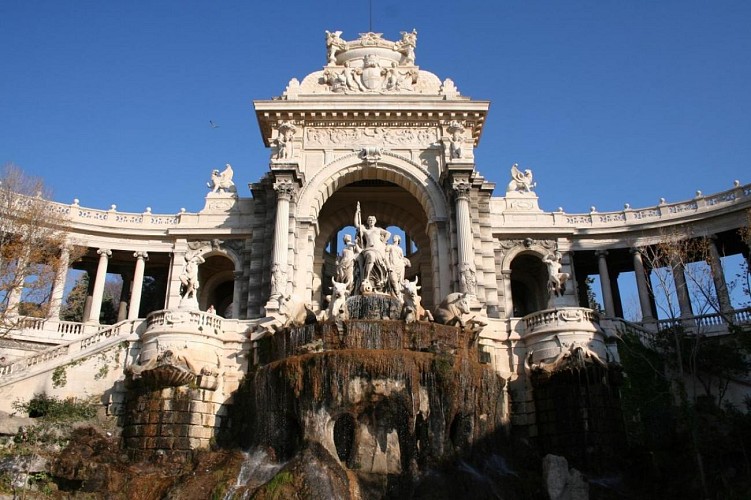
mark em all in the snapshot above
pixel 372 193
pixel 372 127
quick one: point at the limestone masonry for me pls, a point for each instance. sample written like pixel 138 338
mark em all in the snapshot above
pixel 476 274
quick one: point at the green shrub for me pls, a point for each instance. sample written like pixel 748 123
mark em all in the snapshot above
pixel 55 409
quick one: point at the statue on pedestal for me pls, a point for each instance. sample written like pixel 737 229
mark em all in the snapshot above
pixel 373 266
pixel 556 279
pixel 345 263
pixel 189 281
pixel 334 44
pixel 456 130
pixel 397 263
pixel 284 144
pixel 520 181
pixel 222 180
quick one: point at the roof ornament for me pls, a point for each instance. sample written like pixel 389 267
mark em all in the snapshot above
pixel 520 181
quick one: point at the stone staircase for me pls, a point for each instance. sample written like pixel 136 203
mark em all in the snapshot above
pixel 78 349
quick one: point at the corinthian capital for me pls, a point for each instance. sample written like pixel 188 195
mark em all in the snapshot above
pixel 461 188
pixel 285 189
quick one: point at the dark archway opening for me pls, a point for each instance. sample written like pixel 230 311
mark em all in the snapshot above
pixel 461 433
pixel 528 285
pixel 344 436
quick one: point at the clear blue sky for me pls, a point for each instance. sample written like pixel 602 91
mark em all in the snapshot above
pixel 606 101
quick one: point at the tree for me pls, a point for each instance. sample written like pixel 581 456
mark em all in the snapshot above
pixel 33 232
pixel 76 300
pixel 696 367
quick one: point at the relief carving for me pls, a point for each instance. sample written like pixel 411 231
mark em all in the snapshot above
pixel 413 137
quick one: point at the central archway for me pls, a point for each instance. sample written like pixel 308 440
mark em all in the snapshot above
pixel 398 193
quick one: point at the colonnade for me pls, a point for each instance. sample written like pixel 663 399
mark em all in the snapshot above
pixel 128 309
pixel 642 272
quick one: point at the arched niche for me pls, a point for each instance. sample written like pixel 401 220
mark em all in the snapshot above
pixel 528 282
pixel 392 206
pixel 216 279
pixel 398 192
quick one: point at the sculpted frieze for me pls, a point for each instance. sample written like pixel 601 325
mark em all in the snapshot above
pixel 527 243
pixel 348 137
pixel 373 77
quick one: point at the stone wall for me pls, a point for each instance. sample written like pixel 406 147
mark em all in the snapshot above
pixel 171 421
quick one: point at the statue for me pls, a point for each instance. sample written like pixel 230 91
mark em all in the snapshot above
pixel 407 46
pixel 397 262
pixel 556 279
pixel 345 263
pixel 278 278
pixel 412 309
pixel 456 130
pixel 334 44
pixel 189 275
pixel 351 77
pixel 222 180
pixel 372 258
pixel 468 278
pixel 520 181
pixel 284 146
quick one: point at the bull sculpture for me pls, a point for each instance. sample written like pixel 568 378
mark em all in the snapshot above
pixel 337 309
pixel 295 311
pixel 452 309
pixel 412 309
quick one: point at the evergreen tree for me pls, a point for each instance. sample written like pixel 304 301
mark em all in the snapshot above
pixel 76 300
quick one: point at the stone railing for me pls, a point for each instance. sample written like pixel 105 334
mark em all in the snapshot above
pixel 55 356
pixel 53 330
pixel 620 327
pixel 541 320
pixel 708 323
pixel 198 318
pixel 112 217
pixel 194 321
pixel 662 211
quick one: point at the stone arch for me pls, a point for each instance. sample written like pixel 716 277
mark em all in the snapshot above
pixel 395 168
pixel 526 280
pixel 216 279
pixel 399 172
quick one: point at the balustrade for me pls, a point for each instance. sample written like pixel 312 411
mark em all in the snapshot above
pixel 556 317
pixel 76 348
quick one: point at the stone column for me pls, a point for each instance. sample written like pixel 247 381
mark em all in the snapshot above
pixel 237 294
pixel 89 294
pixel 122 310
pixel 285 190
pixel 607 291
pixel 642 286
pixel 718 276
pixel 681 289
pixel 439 252
pixel 58 286
pixel 137 289
pixel 101 276
pixel 467 273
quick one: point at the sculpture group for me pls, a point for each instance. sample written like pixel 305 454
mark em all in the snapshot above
pixel 374 263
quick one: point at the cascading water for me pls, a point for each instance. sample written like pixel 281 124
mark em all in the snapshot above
pixel 383 402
